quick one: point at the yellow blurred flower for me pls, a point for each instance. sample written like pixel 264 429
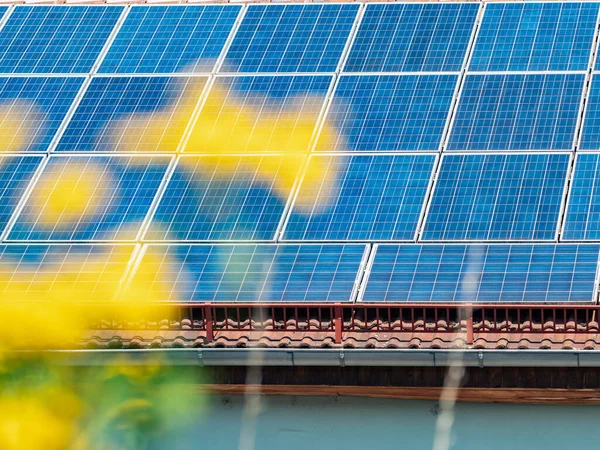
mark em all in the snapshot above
pixel 51 296
pixel 39 419
pixel 68 192
pixel 225 126
pixel 160 130
pixel 15 116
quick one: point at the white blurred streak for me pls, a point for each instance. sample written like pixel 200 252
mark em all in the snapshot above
pixel 253 391
pixel 443 426
pixel 456 369
pixel 252 403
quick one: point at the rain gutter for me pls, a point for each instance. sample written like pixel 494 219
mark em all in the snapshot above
pixel 219 357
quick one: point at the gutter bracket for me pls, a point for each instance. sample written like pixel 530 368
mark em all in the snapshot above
pixel 342 356
pixel 480 360
pixel 200 358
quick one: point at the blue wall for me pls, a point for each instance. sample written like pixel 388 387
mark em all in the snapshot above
pixel 317 423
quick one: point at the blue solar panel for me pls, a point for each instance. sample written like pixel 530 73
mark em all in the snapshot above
pixel 497 197
pixel 413 37
pixel 249 273
pixel 535 36
pixel 53 272
pixel 55 39
pixel 259 113
pixel 389 112
pixel 290 38
pixel 227 197
pixel 517 112
pixel 590 131
pixel 165 39
pixel 15 174
pixel 361 197
pixel 583 213
pixel 483 273
pixel 134 114
pixel 90 198
pixel 238 172
pixel 32 109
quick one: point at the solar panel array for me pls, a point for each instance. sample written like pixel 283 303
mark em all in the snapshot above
pixel 375 152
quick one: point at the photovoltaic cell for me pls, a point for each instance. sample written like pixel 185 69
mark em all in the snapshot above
pixel 62 272
pixel 361 197
pixel 166 39
pixel 55 39
pixel 15 174
pixel 250 273
pixel 535 36
pixel 590 130
pixel 32 109
pixel 225 198
pixel 517 112
pixel 583 213
pixel 412 37
pixel 497 197
pixel 259 113
pixel 90 198
pixel 290 38
pixel 385 112
pixel 133 114
pixel 483 273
